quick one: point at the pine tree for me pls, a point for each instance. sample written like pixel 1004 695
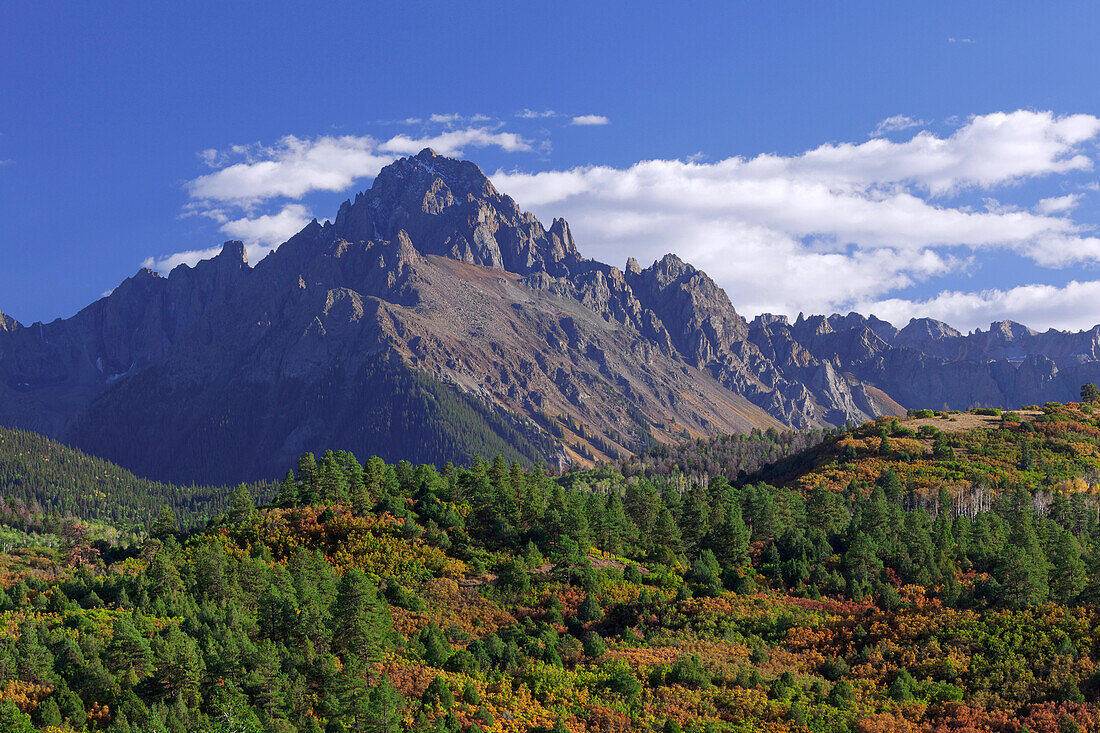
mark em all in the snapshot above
pixel 332 484
pixel 890 485
pixel 1022 582
pixel 823 510
pixel 730 538
pixel 533 502
pixel 615 524
pixel 288 491
pixel 874 515
pixel 179 666
pixel 513 577
pixel 12 720
pixel 1090 392
pixel 306 473
pixel 385 709
pixel 1021 567
pixel 590 609
pixel 129 653
pixel 695 521
pixel 362 620
pixel 666 537
pixel 861 563
pixel 707 574
pixel 1068 575
pixel 241 505
pixel 165 526
pixel 48 713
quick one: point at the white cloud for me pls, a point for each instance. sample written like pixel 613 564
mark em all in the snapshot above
pixel 269 229
pixel 164 265
pixel 896 124
pixel 454 142
pixel 291 168
pixel 960 40
pixel 1072 307
pixel 1058 204
pixel 296 166
pixel 454 119
pixel 590 120
pixel 530 114
pixel 839 224
pixel 170 262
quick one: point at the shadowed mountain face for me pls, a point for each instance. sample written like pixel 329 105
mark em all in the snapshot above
pixel 433 319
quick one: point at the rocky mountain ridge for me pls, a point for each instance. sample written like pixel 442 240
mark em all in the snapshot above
pixel 433 318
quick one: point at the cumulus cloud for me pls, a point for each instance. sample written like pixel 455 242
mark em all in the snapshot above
pixel 296 166
pixel 1058 204
pixel 840 224
pixel 291 168
pixel 590 120
pixel 1070 308
pixel 269 228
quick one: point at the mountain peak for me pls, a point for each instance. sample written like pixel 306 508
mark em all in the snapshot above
pixel 448 207
pixel 233 250
pixel 923 330
pixel 1009 330
pixel 7 323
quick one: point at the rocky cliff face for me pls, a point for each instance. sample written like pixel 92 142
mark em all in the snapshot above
pixel 434 319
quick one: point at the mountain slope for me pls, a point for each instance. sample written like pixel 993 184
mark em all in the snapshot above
pixel 35 470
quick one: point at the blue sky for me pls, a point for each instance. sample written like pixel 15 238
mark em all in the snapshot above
pixel 907 159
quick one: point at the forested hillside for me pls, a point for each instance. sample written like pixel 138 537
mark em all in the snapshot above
pixel 735 457
pixel 939 572
pixel 44 476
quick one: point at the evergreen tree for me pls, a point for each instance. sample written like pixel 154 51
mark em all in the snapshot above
pixel 288 491
pixel 730 538
pixel 890 485
pixel 590 609
pixel 666 537
pixel 695 520
pixel 615 525
pixel 179 665
pixel 165 526
pixel 707 574
pixel 241 504
pixel 12 720
pixel 1090 392
pixel 1068 575
pixel 362 621
pixel 128 653
pixel 1021 580
pixel 824 510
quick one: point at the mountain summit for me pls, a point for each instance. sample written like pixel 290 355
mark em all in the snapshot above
pixel 450 208
pixel 434 319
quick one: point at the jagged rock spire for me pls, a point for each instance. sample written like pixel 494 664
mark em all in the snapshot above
pixel 450 208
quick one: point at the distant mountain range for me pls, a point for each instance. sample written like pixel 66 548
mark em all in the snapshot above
pixel 434 319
